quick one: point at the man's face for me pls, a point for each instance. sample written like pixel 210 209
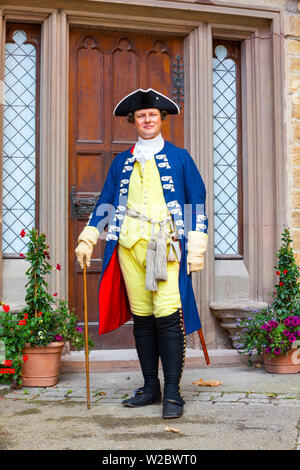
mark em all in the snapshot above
pixel 148 122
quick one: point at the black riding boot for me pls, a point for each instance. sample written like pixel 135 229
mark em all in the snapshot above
pixel 171 342
pixel 144 330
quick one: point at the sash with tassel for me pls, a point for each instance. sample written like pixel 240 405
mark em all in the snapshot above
pixel 156 256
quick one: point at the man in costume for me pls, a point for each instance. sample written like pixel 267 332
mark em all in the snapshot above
pixel 153 202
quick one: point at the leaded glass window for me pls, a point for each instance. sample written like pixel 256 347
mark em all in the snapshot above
pixel 20 162
pixel 227 158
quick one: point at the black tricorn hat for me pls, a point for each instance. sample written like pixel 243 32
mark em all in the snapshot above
pixel 145 99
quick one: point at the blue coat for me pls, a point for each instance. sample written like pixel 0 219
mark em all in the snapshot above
pixel 185 195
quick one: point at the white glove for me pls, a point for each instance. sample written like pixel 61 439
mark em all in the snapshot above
pixel 197 245
pixel 87 240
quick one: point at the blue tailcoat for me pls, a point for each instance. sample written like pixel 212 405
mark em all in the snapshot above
pixel 185 195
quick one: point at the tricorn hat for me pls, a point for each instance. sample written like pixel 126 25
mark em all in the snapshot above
pixel 145 99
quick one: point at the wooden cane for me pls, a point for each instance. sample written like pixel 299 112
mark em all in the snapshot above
pixel 86 338
pixel 202 341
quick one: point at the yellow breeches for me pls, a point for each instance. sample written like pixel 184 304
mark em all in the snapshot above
pixel 162 303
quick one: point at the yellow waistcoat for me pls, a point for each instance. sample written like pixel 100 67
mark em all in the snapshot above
pixel 145 195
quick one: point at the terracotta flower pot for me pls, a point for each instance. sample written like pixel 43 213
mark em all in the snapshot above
pixel 41 369
pixel 283 364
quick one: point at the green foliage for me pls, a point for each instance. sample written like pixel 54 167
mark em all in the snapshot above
pixel 45 318
pixel 276 329
pixel 37 297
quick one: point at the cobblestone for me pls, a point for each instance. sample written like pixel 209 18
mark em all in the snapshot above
pixel 111 396
pixel 249 410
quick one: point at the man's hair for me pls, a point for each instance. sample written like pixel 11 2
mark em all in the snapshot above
pixel 163 114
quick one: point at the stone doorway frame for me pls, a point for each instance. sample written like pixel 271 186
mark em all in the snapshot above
pixel 261 32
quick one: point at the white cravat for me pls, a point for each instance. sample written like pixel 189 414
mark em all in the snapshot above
pixel 145 149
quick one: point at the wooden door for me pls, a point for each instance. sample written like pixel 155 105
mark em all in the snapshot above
pixel 105 67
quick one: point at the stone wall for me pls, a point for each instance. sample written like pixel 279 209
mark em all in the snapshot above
pixel 292 32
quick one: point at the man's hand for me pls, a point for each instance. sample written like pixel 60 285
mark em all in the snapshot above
pixel 87 240
pixel 197 244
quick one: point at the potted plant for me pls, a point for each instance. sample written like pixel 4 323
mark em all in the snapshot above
pixel 275 331
pixel 34 338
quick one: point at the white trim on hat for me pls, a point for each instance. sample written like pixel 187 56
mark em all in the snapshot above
pixel 145 91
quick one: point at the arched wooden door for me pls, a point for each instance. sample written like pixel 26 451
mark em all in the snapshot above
pixel 105 67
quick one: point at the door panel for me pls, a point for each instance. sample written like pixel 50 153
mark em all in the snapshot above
pixel 105 67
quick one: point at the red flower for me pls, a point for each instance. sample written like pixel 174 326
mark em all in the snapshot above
pixel 6 308
pixel 21 254
pixel 25 358
pixel 285 271
pixel 23 233
pixel 281 283
pixel 58 266
pixel 278 273
pixel 55 294
pixel 8 362
pixel 22 322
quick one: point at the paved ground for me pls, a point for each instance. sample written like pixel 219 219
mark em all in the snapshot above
pixel 251 410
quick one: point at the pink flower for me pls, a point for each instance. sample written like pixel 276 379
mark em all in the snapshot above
pixel 58 337
pixel 55 294
pixel 21 254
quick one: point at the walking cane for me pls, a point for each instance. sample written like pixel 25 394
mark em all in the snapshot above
pixel 202 341
pixel 86 338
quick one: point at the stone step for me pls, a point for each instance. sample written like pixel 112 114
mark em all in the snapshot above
pixel 122 359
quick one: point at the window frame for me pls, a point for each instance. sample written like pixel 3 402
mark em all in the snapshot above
pixel 234 53
pixel 33 33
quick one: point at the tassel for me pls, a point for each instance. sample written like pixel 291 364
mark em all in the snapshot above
pixel 161 272
pixel 150 283
pixel 171 255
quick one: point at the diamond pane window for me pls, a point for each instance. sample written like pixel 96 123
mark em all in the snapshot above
pixel 19 139
pixel 227 168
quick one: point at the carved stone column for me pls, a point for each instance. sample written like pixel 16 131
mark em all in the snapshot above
pixel 54 145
